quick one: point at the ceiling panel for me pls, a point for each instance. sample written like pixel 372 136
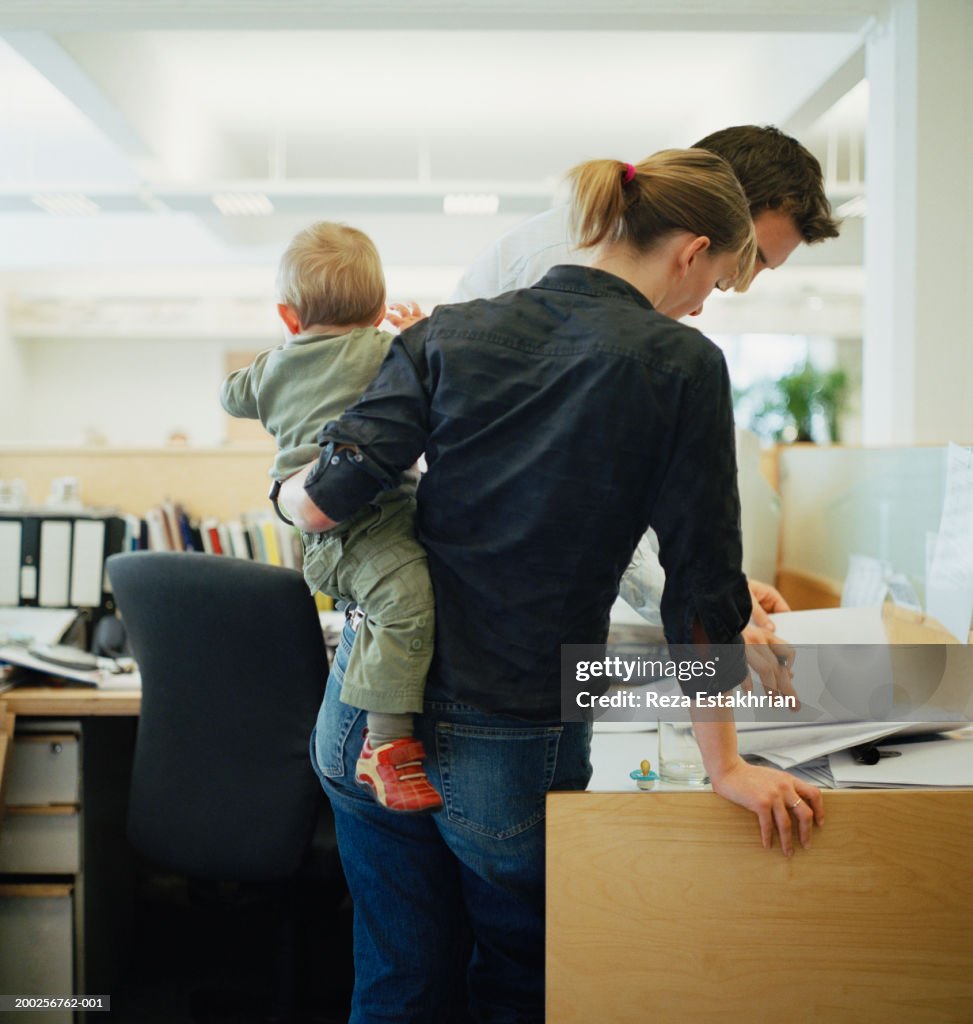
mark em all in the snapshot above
pixel 372 127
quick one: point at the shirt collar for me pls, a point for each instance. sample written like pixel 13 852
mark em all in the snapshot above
pixel 589 281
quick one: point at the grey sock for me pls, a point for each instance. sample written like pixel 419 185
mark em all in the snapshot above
pixel 384 727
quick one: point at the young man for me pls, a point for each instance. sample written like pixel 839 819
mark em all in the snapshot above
pixel 781 179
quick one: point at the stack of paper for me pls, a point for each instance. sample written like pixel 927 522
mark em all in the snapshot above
pixel 942 761
pixel 790 746
pixel 105 677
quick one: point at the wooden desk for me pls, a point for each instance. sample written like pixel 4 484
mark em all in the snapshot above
pixel 70 701
pixel 664 907
pixel 58 702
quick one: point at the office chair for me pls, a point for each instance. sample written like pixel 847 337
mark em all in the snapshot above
pixel 233 668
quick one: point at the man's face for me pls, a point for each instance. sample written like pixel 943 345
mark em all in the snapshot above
pixel 777 237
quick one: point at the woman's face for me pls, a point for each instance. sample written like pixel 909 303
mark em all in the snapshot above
pixel 704 273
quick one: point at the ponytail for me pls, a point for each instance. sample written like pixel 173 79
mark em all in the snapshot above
pixel 673 190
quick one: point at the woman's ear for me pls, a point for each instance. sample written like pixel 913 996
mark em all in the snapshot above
pixel 689 251
pixel 289 315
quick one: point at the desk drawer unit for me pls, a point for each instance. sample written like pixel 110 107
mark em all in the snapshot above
pixel 40 841
pixel 36 958
pixel 40 833
pixel 44 770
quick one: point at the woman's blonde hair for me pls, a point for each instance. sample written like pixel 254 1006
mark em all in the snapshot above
pixel 331 274
pixel 673 190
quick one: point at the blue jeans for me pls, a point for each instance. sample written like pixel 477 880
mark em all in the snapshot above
pixel 449 903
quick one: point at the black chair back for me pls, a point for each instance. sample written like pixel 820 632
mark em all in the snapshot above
pixel 233 669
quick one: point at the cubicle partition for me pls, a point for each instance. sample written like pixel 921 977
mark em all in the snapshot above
pixel 840 501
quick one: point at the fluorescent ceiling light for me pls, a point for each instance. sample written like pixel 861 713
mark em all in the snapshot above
pixel 243 204
pixel 477 203
pixel 66 204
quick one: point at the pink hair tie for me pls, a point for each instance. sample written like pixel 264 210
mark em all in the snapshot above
pixel 629 174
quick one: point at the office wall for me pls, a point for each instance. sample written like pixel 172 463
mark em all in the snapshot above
pixel 125 391
pixel 12 383
pixel 130 357
pixel 126 358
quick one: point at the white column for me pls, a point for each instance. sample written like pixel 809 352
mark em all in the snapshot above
pixel 12 379
pixel 918 346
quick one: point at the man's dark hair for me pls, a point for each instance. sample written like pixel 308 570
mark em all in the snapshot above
pixel 777 173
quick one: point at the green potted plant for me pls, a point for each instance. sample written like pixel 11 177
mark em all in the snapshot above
pixel 787 409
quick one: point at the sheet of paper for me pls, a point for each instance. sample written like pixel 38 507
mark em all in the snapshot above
pixel 864 585
pixel 817 772
pixel 949 585
pixel 35 625
pixel 945 761
pixel 832 626
pixel 903 593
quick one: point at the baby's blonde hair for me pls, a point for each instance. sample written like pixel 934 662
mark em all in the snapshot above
pixel 673 190
pixel 331 274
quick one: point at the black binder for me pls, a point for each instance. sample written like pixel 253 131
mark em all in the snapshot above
pixel 62 557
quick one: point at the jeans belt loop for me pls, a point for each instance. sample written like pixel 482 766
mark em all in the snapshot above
pixel 354 617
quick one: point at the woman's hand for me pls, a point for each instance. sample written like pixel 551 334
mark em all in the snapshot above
pixel 778 799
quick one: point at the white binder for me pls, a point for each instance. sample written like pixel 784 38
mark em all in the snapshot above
pixel 55 563
pixel 11 535
pixel 87 563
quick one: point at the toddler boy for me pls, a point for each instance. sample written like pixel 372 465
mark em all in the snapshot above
pixel 332 298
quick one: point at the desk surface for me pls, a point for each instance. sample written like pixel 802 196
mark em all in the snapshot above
pixel 55 701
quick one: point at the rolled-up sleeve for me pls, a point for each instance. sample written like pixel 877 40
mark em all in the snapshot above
pixel 697 518
pixel 383 433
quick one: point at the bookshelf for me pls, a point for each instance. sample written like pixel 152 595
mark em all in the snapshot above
pixel 221 482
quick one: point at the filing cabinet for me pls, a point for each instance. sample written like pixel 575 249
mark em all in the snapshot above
pixel 40 834
pixel 40 861
pixel 36 948
pixel 44 765
pixel 67 871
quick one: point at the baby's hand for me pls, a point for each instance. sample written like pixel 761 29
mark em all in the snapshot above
pixel 404 314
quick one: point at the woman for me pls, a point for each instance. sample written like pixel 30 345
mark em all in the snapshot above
pixel 558 423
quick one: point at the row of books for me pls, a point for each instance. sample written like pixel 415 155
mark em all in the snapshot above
pixel 56 559
pixel 259 536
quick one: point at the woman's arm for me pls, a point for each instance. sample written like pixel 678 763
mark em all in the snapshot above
pixel 775 797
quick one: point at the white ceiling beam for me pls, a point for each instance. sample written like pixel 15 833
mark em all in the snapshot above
pixel 186 144
pixel 841 81
pixel 51 60
pixel 655 15
pixel 163 138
